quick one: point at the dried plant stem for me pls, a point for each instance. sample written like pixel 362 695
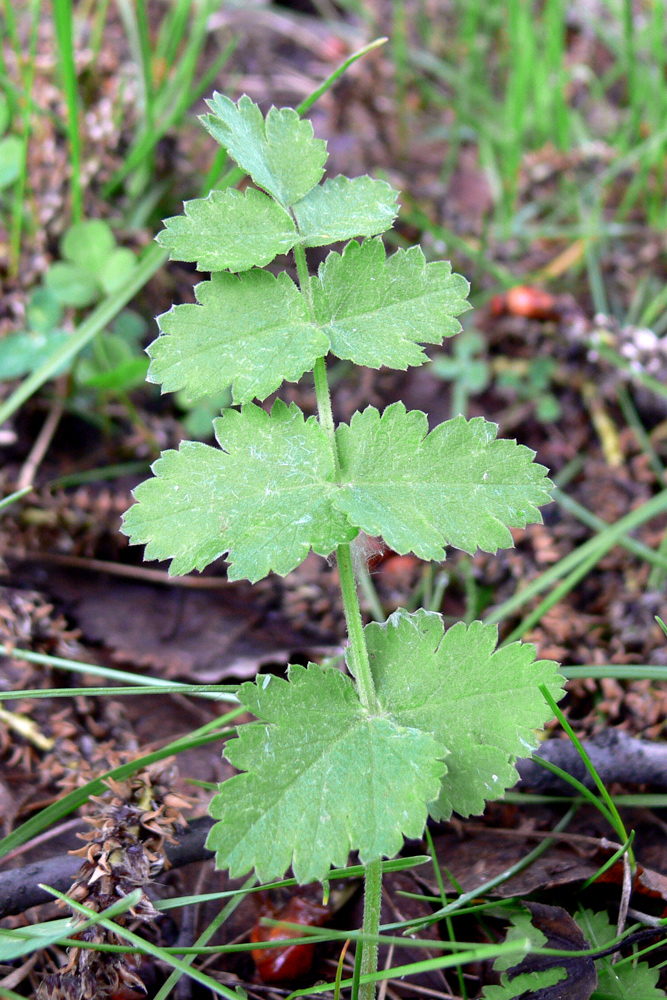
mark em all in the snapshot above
pixel 45 436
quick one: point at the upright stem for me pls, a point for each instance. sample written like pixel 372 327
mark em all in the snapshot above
pixel 360 665
pixel 372 904
pixel 359 662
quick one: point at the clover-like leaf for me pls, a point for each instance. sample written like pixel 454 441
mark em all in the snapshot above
pixel 376 311
pixel 229 230
pixel 344 207
pixel 457 685
pixel 322 776
pixel 265 499
pixel 458 485
pixel 280 152
pixel 251 331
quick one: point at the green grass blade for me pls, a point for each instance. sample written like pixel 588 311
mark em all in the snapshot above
pixel 63 18
pixel 75 666
pixel 591 551
pixel 617 822
pixel 13 497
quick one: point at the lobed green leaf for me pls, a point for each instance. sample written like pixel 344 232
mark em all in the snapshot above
pixel 457 686
pixel 456 486
pixel 277 492
pixel 229 230
pixel 638 981
pixel 322 776
pixel 280 152
pixel 272 486
pixel 342 208
pixel 252 332
pixel 375 311
pixel 179 513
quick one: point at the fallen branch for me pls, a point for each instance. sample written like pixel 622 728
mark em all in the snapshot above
pixel 19 887
pixel 616 757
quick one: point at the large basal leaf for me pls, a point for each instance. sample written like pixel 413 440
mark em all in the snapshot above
pixel 322 776
pixel 280 153
pixel 376 311
pixel 251 332
pixel 266 499
pixel 229 230
pixel 458 485
pixel 482 703
pixel 277 497
pixel 342 208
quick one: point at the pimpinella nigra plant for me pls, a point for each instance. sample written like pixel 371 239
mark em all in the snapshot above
pixel 430 721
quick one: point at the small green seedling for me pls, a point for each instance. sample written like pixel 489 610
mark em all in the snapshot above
pixel 93 265
pixel 24 351
pixel 114 362
pixel 531 382
pixel 430 721
pixel 466 369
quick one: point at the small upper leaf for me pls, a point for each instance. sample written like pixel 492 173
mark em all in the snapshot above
pixel 322 777
pixel 457 685
pixel 457 485
pixel 342 208
pixel 252 331
pixel 375 311
pixel 280 153
pixel 229 230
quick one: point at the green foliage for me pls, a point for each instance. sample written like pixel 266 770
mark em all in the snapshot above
pixel 460 693
pixel 199 413
pixel 617 982
pixel 432 721
pixel 280 153
pixel 93 265
pixel 525 985
pixel 376 311
pixel 457 485
pixel 252 332
pixel 316 743
pixel 465 368
pixel 23 352
pixel 11 148
pixel 114 362
pixel 531 382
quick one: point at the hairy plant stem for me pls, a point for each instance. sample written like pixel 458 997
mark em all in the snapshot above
pixel 358 663
pixel 372 904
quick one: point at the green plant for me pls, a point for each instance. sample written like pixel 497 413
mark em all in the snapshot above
pixel 430 721
pixel 11 148
pixel 466 369
pixel 22 352
pixel 531 381
pixel 93 265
